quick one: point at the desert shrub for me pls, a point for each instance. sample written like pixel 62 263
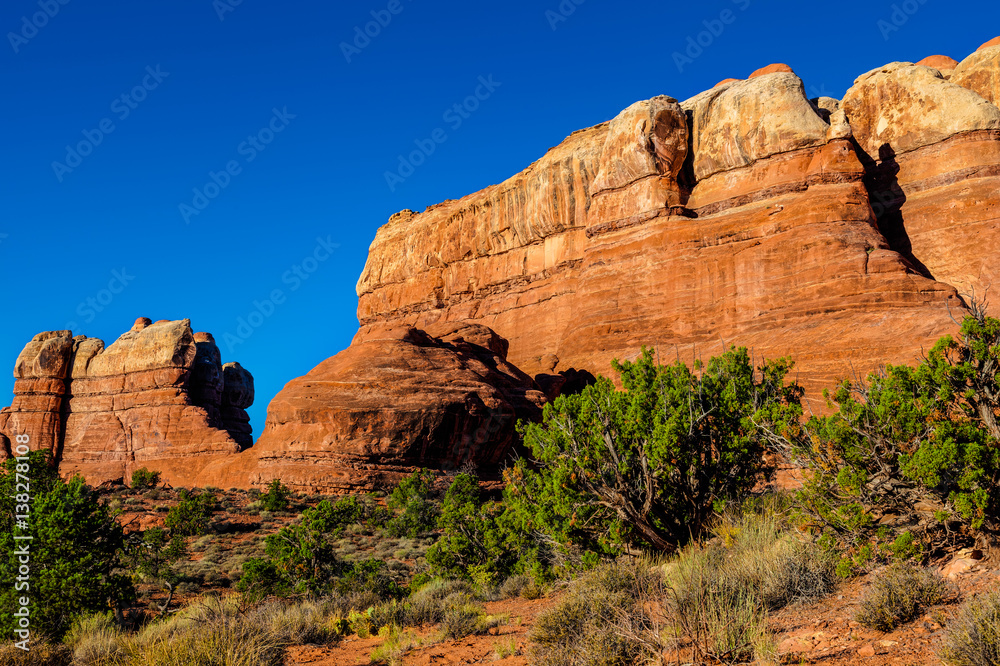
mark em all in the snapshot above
pixel 276 496
pixel 973 635
pixel 586 627
pixel 650 465
pixel 153 556
pixel 192 514
pixel 464 617
pixel 143 478
pixel 720 592
pixel 909 434
pixel 481 541
pixel 261 578
pixel 75 548
pixel 517 585
pixel 411 499
pixel 368 576
pixel 898 594
pixel 427 604
pixel 302 554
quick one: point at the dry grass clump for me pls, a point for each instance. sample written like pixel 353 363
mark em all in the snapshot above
pixel 397 643
pixel 720 593
pixel 973 635
pixel 898 594
pixel 756 552
pixel 520 585
pixel 40 654
pixel 588 627
pixel 212 632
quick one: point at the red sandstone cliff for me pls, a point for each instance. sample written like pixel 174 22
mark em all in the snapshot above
pixel 839 232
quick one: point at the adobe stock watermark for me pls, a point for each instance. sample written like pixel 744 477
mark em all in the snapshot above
pixel 362 37
pixel 294 277
pixel 22 540
pixel 122 106
pixel 223 7
pixel 89 308
pixel 248 149
pixel 900 14
pixel 696 44
pixel 455 116
pixel 31 26
pixel 562 13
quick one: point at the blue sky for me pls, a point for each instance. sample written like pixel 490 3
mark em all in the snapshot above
pixel 186 159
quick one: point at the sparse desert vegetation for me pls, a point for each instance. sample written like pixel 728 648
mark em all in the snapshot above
pixel 642 530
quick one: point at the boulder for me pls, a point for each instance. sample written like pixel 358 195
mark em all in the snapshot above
pixel 980 72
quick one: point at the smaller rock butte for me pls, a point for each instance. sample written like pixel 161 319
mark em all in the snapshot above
pixel 159 397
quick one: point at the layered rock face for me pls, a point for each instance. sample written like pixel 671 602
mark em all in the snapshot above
pixel 741 216
pixel 931 143
pixel 158 397
pixel 444 397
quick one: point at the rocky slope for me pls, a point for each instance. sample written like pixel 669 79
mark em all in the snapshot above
pixel 844 233
pixel 159 397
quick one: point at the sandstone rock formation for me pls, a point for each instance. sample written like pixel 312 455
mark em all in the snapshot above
pixel 932 151
pixel 404 398
pixel 838 232
pixel 764 237
pixel 157 398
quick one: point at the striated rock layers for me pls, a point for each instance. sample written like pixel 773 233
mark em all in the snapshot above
pixel 742 215
pixel 932 149
pixel 444 397
pixel 159 397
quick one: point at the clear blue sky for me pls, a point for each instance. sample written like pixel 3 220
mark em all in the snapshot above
pixel 213 84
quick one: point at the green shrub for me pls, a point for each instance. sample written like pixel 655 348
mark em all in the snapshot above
pixel 276 496
pixel 898 594
pixel 261 578
pixel 304 556
pixel 481 541
pixel 192 514
pixel 650 465
pixel 143 478
pixel 75 548
pixel 411 499
pixel 368 576
pixel 973 635
pixel 909 434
